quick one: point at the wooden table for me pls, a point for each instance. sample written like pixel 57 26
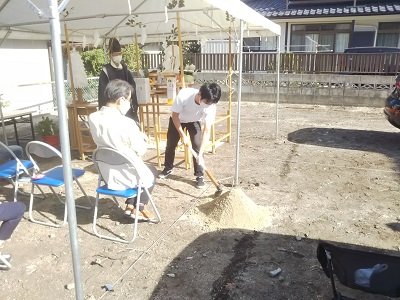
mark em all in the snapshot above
pixel 23 116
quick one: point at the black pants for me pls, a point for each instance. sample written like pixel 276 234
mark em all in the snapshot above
pixel 143 196
pixel 194 129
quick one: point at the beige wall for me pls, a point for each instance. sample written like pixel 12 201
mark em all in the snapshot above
pixel 330 89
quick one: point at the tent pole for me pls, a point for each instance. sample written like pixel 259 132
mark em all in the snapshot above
pixel 65 147
pixel 180 49
pixel 230 87
pixel 278 62
pixel 137 56
pixel 239 95
pixel 3 125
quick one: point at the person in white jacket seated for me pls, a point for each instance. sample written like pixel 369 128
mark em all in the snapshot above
pixel 111 128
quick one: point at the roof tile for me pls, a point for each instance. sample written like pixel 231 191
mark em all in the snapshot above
pixel 277 8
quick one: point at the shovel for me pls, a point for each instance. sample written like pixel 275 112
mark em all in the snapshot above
pixel 212 178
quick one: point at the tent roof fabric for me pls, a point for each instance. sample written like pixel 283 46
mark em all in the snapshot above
pixel 149 19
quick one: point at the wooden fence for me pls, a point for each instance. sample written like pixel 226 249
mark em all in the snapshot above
pixel 294 63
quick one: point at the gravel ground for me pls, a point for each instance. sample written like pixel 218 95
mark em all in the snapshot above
pixel 332 174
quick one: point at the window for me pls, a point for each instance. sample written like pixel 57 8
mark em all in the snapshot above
pixel 320 37
pixel 388 34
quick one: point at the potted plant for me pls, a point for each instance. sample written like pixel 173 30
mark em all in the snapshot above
pixel 49 131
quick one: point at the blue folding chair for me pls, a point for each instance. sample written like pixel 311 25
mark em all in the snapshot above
pixel 14 170
pixel 105 158
pixel 52 178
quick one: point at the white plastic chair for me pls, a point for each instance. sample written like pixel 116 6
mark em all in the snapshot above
pixel 51 178
pixel 114 159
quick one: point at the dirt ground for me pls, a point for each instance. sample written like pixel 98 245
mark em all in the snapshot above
pixel 333 175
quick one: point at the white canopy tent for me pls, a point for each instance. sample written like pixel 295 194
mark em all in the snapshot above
pixel 28 19
pixel 151 20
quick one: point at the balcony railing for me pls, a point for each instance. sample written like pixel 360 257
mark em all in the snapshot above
pixel 296 63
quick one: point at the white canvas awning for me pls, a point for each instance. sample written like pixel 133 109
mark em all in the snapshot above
pixel 29 19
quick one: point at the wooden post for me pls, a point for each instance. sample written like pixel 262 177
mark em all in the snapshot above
pixel 80 95
pixel 180 49
pixel 75 116
pixel 137 55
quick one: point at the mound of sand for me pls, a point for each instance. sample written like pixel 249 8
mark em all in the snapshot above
pixel 232 209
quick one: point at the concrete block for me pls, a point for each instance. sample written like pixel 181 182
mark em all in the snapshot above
pixel 270 90
pixel 323 77
pixel 336 92
pixel 293 91
pixel 258 89
pixel 308 91
pixel 336 101
pixel 350 93
pixel 270 77
pixel 368 79
pixel 322 92
pixel 308 78
pixel 352 79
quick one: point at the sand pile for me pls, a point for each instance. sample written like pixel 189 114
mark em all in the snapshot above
pixel 232 209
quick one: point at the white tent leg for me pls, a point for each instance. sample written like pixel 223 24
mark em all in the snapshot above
pixel 278 84
pixel 3 125
pixel 65 147
pixel 239 99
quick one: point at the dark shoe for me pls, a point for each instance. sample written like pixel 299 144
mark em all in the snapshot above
pixel 165 173
pixel 199 182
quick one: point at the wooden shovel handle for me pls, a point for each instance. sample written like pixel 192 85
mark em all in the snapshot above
pixel 212 178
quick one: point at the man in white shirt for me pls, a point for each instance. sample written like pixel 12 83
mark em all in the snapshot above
pixel 190 106
pixel 111 128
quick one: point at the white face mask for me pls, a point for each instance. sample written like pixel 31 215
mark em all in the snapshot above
pixel 117 59
pixel 124 106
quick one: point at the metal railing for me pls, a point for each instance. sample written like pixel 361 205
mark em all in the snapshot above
pixel 297 63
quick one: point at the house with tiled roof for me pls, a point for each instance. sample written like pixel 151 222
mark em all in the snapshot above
pixel 328 25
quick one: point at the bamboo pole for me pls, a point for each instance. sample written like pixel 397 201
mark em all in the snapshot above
pixel 137 55
pixel 75 110
pixel 180 49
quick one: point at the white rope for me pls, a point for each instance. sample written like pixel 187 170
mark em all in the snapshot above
pixel 166 12
pixel 129 7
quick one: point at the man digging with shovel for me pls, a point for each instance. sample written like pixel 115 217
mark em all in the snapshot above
pixel 189 107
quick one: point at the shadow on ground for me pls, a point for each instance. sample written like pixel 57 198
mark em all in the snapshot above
pixel 232 264
pixel 365 140
pixel 386 143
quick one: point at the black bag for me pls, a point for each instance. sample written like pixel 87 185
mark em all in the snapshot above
pixel 362 270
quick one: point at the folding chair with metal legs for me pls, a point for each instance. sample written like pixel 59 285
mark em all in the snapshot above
pixel 113 158
pixel 128 193
pixel 5 261
pixel 15 170
pixel 52 178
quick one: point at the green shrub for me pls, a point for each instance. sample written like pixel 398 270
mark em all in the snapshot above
pixel 93 60
pixel 47 127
